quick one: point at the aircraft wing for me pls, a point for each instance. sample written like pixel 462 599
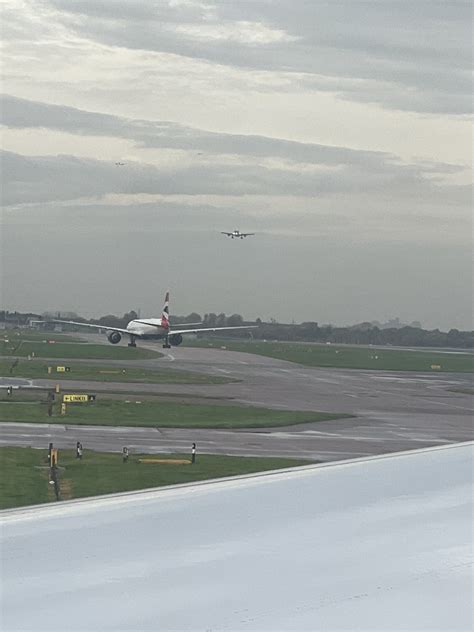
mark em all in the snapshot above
pixel 196 331
pixel 224 233
pixel 187 324
pixel 246 234
pixel 145 322
pixel 71 322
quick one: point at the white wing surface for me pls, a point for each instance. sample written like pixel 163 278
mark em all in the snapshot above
pixel 72 322
pixel 196 331
pixel 370 544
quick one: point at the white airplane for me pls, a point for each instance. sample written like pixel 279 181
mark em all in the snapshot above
pixel 151 329
pixel 236 234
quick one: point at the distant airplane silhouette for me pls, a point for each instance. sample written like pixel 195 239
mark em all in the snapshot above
pixel 236 234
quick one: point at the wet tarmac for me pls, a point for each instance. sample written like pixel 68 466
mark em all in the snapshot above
pixel 393 410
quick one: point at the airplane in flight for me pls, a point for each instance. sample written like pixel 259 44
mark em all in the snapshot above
pixel 236 234
pixel 151 329
pixel 120 164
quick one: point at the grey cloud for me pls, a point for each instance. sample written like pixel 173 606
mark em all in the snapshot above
pixel 22 113
pixel 362 222
pixel 132 10
pixel 412 56
pixel 33 179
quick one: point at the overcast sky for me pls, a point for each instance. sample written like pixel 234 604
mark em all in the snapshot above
pixel 339 131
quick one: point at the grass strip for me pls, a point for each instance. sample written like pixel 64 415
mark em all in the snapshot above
pixel 76 350
pixel 162 414
pixel 16 336
pixel 39 370
pixel 333 356
pixel 24 473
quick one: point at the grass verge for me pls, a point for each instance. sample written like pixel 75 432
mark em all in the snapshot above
pixel 24 479
pixel 14 336
pixel 374 358
pixel 76 350
pixel 162 414
pixel 39 370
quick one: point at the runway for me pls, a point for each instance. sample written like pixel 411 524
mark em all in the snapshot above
pixel 394 410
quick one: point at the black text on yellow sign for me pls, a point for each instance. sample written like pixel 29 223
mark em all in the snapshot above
pixel 78 397
pixel 63 369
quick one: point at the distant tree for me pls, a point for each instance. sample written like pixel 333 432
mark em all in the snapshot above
pixel 210 319
pixel 111 321
pixel 221 320
pixel 132 315
pixel 235 320
pixel 193 317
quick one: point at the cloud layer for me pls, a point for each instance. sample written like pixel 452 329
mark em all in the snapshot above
pixel 338 131
pixel 262 165
pixel 363 51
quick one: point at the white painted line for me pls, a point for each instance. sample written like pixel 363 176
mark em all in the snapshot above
pixel 438 403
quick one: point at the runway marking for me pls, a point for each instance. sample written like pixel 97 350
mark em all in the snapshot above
pixel 448 405
pixel 327 435
pixel 266 404
pixel 170 357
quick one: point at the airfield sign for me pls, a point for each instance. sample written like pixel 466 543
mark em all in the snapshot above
pixel 76 398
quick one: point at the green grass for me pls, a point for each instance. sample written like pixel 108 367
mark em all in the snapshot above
pixel 39 370
pixel 161 414
pixel 24 474
pixel 88 351
pixel 16 335
pixel 375 358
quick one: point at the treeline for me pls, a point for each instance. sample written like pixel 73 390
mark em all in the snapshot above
pixel 365 333
pixel 403 336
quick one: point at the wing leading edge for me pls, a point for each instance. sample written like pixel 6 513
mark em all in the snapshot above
pixel 72 322
pixel 196 331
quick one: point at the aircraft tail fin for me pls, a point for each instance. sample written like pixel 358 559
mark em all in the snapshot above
pixel 165 314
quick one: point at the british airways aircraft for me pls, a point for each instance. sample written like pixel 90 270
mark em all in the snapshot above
pixel 236 234
pixel 151 329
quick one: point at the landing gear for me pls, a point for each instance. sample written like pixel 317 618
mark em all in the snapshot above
pixel 132 342
pixel 166 344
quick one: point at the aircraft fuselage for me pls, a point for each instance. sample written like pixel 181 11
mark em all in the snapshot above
pixel 145 330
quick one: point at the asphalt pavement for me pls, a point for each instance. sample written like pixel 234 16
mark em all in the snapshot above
pixel 393 410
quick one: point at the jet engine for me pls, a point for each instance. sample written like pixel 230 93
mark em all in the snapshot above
pixel 114 337
pixel 175 340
